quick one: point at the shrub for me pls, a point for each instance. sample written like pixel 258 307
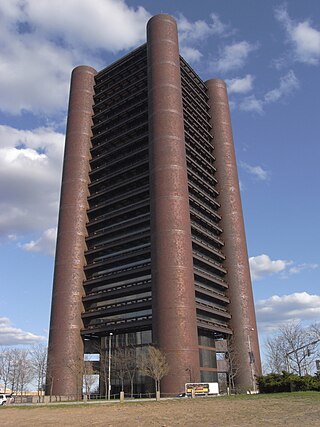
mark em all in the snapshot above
pixel 286 382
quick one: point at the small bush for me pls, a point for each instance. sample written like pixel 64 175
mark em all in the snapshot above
pixel 286 382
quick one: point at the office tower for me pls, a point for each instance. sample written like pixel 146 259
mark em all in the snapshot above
pixel 151 244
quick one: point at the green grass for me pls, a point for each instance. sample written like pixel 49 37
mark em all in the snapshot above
pixel 313 396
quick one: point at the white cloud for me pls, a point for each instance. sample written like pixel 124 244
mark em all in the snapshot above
pixel 10 335
pixel 232 104
pixel 234 56
pixel 280 63
pixel 277 310
pixel 191 54
pixel 296 269
pixel 262 265
pixel 304 38
pixel 200 30
pixel 307 40
pixel 193 33
pixel 99 24
pixel 240 85
pixel 252 104
pixel 36 71
pixel 40 46
pixel 257 171
pixel 30 174
pixel 45 244
pixel 288 84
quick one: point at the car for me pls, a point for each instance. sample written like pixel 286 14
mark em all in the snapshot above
pixel 6 399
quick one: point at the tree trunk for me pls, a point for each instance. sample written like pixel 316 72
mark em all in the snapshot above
pixel 51 388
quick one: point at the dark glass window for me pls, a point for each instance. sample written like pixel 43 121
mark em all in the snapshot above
pixel 209 376
pixel 207 358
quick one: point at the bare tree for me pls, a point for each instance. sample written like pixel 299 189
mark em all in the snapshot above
pixel 101 349
pixel 25 372
pixel 233 362
pixel 76 367
pixel 275 355
pixel 315 331
pixel 153 364
pixel 104 367
pixel 88 377
pixel 119 365
pixel 6 362
pixel 20 372
pixel 14 370
pixel 131 365
pixel 123 364
pixel 38 356
pixel 1 364
pixel 50 378
pixel 292 349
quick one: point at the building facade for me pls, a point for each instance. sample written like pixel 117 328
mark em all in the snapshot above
pixel 151 245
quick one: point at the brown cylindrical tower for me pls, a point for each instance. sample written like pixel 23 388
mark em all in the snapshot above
pixel 65 354
pixel 173 295
pixel 243 320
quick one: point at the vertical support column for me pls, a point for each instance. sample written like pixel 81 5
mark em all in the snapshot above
pixel 173 296
pixel 65 355
pixel 243 320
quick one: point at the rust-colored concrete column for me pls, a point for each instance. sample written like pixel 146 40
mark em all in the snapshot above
pixel 243 320
pixel 174 312
pixel 65 343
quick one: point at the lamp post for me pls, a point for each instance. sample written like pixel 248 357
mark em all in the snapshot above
pixel 190 377
pixel 109 365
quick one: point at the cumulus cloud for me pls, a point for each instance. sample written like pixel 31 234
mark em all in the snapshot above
pixel 10 335
pixel 191 54
pixel 277 310
pixel 30 173
pixel 234 56
pixel 302 36
pixel 252 104
pixel 30 69
pixel 288 84
pixel 240 85
pixel 45 244
pixel 40 45
pixel 257 171
pixel 296 269
pixel 99 24
pixel 193 33
pixel 200 30
pixel 262 265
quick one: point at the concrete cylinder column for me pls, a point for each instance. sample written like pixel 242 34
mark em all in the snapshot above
pixel 65 355
pixel 243 320
pixel 173 295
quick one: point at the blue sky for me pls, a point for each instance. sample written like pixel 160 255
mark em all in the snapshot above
pixel 269 54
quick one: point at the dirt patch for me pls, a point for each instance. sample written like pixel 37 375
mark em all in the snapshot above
pixel 296 410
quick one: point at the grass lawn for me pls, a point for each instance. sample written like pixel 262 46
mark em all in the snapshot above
pixel 285 409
